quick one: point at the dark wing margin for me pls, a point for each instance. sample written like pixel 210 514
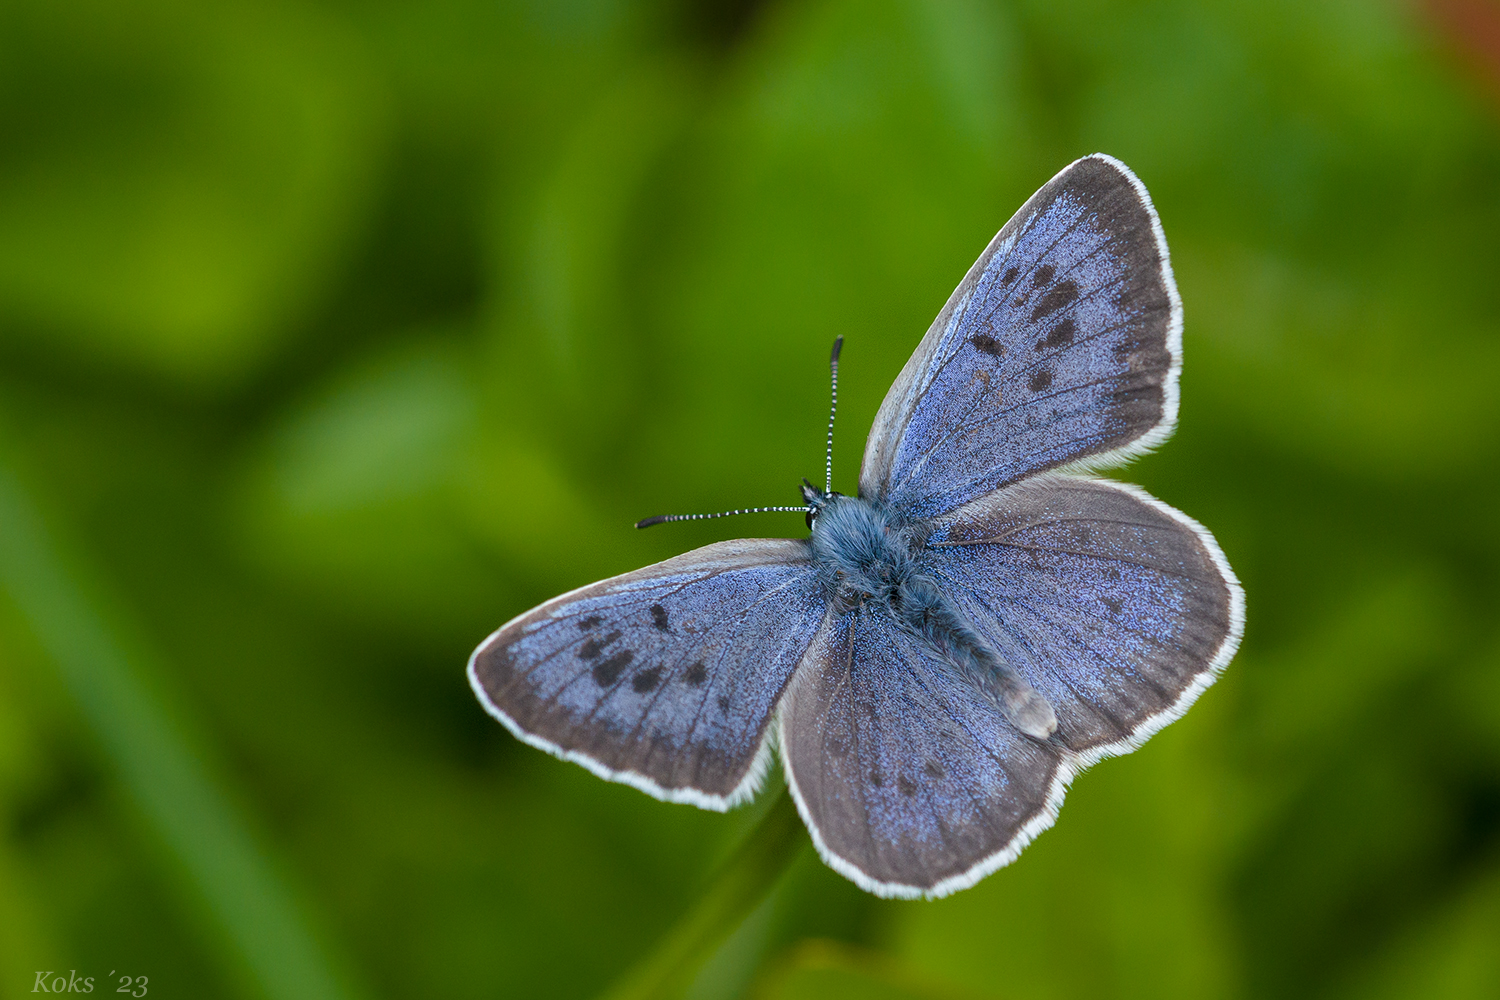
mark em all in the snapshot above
pixel 666 678
pixel 1060 348
pixel 1117 608
pixel 910 783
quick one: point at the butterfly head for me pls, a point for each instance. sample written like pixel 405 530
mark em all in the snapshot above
pixel 816 500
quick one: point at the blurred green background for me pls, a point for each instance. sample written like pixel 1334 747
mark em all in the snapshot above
pixel 333 335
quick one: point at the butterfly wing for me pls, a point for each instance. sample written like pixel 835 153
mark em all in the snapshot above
pixel 909 782
pixel 665 678
pixel 1062 344
pixel 1118 609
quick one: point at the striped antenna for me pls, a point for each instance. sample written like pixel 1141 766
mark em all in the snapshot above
pixel 833 411
pixel 647 522
pixel 811 491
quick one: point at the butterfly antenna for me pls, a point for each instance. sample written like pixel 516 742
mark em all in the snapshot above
pixel 647 522
pixel 833 365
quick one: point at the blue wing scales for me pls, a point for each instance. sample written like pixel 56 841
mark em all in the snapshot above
pixel 1118 609
pixel 1061 345
pixel 665 678
pixel 910 780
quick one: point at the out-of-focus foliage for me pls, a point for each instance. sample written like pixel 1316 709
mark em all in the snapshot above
pixel 334 335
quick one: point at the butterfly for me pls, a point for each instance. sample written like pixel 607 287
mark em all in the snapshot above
pixel 979 623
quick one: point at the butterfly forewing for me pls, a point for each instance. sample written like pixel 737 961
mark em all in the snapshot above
pixel 910 779
pixel 1060 345
pixel 1116 607
pixel 665 678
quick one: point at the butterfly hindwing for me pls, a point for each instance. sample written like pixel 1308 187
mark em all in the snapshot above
pixel 911 782
pixel 1061 345
pixel 1118 609
pixel 665 678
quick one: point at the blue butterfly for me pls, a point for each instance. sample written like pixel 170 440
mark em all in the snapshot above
pixel 952 645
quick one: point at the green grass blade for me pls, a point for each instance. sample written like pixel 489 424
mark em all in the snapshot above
pixel 217 861
pixel 740 885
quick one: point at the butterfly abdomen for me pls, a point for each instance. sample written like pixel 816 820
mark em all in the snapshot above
pixel 921 605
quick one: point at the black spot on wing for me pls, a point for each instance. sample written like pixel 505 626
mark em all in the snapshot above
pixel 723 703
pixel 989 345
pixel 934 770
pixel 1043 275
pixel 877 779
pixel 907 786
pixel 1062 334
pixel 590 623
pixel 1041 380
pixel 592 647
pixel 608 671
pixel 1113 604
pixel 646 680
pixel 1009 275
pixel 696 674
pixel 1057 296
pixel 659 618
